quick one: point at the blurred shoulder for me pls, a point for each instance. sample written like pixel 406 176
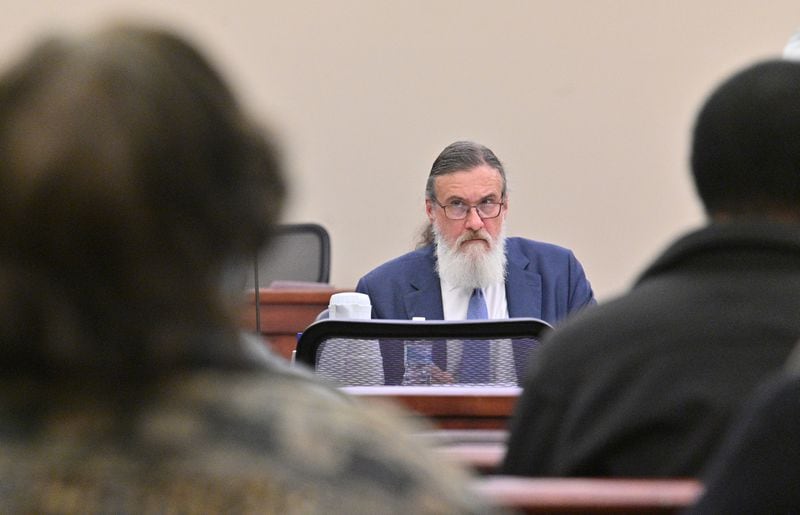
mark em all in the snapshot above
pixel 311 432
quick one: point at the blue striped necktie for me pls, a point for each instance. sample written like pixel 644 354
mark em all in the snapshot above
pixel 475 364
pixel 477 306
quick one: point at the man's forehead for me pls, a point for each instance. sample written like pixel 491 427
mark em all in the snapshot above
pixel 481 181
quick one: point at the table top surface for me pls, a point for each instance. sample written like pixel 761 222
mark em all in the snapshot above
pixel 434 391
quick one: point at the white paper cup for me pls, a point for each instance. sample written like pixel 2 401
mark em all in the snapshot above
pixel 350 305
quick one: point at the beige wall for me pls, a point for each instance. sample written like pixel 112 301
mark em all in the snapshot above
pixel 588 102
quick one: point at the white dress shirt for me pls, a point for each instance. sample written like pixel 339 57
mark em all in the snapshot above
pixel 455 301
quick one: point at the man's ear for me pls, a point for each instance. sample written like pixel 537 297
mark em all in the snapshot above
pixel 429 207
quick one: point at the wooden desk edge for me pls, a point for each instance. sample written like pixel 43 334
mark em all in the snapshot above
pixel 433 391
pixel 293 295
pixel 445 401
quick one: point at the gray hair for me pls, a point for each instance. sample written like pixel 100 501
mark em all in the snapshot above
pixel 457 157
pixel 460 156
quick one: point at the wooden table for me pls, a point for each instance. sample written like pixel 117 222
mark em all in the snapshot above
pixel 283 313
pixel 449 407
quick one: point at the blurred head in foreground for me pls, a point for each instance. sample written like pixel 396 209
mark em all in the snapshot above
pixel 745 152
pixel 129 179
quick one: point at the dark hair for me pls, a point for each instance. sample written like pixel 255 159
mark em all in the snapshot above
pixel 457 157
pixel 460 156
pixel 129 177
pixel 746 146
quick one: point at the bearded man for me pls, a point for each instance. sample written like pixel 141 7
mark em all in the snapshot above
pixel 465 253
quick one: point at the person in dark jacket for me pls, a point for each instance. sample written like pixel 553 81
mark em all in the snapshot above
pixel 646 384
pixel 756 470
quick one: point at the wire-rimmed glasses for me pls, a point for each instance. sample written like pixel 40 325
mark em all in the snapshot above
pixel 458 210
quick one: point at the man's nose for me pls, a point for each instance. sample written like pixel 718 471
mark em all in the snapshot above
pixel 473 221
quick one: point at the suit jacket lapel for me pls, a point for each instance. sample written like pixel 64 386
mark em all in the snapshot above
pixel 524 299
pixel 523 286
pixel 424 298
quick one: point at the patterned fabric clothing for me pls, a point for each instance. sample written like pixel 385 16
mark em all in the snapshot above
pixel 270 441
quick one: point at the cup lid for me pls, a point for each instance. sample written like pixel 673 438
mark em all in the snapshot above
pixel 348 297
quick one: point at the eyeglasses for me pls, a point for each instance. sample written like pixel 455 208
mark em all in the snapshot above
pixel 458 210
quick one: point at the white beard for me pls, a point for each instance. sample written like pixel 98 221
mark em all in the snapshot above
pixel 471 267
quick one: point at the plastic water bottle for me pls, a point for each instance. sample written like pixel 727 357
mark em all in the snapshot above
pixel 418 364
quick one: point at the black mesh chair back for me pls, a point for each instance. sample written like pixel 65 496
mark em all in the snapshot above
pixel 297 253
pixel 436 352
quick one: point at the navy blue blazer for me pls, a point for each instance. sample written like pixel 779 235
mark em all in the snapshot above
pixel 543 281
